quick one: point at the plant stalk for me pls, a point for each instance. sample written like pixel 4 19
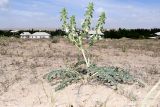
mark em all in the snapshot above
pixel 84 56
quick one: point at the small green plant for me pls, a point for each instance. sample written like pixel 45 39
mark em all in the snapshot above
pixel 124 48
pixel 106 75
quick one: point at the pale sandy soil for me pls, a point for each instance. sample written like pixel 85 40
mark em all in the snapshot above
pixel 23 63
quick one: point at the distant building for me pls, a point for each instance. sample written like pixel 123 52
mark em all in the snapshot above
pixel 156 36
pixel 36 35
pixel 39 35
pixel 25 35
pixel 14 31
pixel 158 33
pixel 153 37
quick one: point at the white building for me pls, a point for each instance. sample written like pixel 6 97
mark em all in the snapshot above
pixel 14 31
pixel 155 37
pixel 25 35
pixel 158 33
pixel 36 35
pixel 40 35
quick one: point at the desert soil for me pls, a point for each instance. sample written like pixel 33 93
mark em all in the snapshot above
pixel 23 63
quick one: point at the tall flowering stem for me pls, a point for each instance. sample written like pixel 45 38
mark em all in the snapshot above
pixel 77 37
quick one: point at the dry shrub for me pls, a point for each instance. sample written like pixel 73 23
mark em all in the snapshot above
pixel 55 40
pixel 3 51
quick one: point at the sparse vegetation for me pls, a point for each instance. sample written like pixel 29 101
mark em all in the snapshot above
pixel 24 71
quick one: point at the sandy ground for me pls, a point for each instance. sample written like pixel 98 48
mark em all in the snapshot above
pixel 23 63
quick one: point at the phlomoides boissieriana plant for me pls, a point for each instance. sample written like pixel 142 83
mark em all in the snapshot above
pixel 106 75
pixel 78 37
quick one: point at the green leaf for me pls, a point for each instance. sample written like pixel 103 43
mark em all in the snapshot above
pixel 88 17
